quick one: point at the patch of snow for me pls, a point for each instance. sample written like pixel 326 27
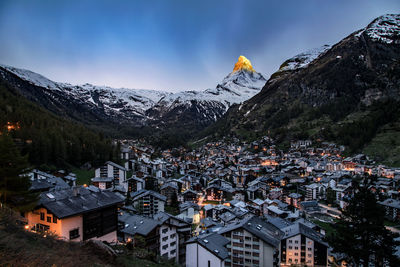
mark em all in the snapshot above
pixel 304 59
pixel 384 29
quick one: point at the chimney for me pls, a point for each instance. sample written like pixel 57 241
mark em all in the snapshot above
pixel 75 191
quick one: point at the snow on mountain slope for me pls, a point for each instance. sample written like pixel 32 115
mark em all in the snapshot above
pixel 144 106
pixel 241 84
pixel 32 77
pixel 302 60
pixel 384 29
pixel 111 99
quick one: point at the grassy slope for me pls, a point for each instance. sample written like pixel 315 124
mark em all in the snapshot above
pixel 385 146
pixel 83 176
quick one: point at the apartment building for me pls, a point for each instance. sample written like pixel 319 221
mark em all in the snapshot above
pixel 148 202
pixel 303 246
pixel 253 242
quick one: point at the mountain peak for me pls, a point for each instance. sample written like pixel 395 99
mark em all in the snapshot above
pixel 243 63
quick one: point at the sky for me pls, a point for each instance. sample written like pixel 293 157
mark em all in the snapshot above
pixel 170 45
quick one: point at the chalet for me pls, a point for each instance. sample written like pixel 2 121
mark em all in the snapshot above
pixel 135 184
pixel 148 202
pixel 117 172
pixel 294 199
pixel 77 214
pixel 103 182
pixel 169 190
pixel 189 195
pixel 303 246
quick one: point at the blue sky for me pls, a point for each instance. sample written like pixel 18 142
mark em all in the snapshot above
pixel 170 45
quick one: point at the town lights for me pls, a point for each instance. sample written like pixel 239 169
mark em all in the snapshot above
pixel 26 227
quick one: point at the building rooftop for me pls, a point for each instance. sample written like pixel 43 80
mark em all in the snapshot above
pixel 214 243
pixel 72 201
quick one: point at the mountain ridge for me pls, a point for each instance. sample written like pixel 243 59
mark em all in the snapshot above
pixel 335 97
pixel 136 112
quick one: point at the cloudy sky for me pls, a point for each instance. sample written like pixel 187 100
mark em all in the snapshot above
pixel 170 45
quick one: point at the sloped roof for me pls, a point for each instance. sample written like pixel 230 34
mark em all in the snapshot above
pixel 214 243
pixel 64 203
pixel 300 228
pixel 256 226
pixel 143 192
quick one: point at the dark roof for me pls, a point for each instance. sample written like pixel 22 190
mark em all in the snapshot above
pixel 115 165
pixel 311 205
pixel 50 181
pixel 214 243
pixel 300 228
pixel 278 222
pixel 64 203
pixel 143 192
pixel 166 185
pixel 136 224
pixel 256 226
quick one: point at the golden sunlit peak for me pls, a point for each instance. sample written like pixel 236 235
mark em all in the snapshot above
pixel 243 63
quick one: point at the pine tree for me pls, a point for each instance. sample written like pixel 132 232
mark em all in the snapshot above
pixel 14 184
pixel 361 234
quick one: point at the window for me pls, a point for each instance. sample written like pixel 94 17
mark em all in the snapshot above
pixel 296 241
pixel 290 247
pixel 309 255
pixel 54 219
pixel 290 241
pixel 296 247
pixel 248 238
pixel 172 236
pixel 209 264
pixel 309 249
pixel 256 247
pixel 49 219
pixel 42 216
pixel 172 244
pixel 173 251
pixel 255 254
pixel 74 233
pixel 296 254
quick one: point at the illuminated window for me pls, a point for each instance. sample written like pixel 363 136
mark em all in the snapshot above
pixel 42 216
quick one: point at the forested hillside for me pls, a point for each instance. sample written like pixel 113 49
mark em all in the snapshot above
pixel 47 138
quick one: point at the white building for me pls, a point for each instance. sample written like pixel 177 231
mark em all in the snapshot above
pixel 207 251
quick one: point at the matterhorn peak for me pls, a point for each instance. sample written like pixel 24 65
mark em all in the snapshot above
pixel 243 64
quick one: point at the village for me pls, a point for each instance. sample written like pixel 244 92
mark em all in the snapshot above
pixel 226 203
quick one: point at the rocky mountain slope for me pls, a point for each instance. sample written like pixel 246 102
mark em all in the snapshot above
pixel 348 92
pixel 133 107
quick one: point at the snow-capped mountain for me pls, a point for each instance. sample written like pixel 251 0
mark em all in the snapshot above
pixel 385 29
pixel 205 107
pixel 138 106
pixel 353 77
pixel 302 60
